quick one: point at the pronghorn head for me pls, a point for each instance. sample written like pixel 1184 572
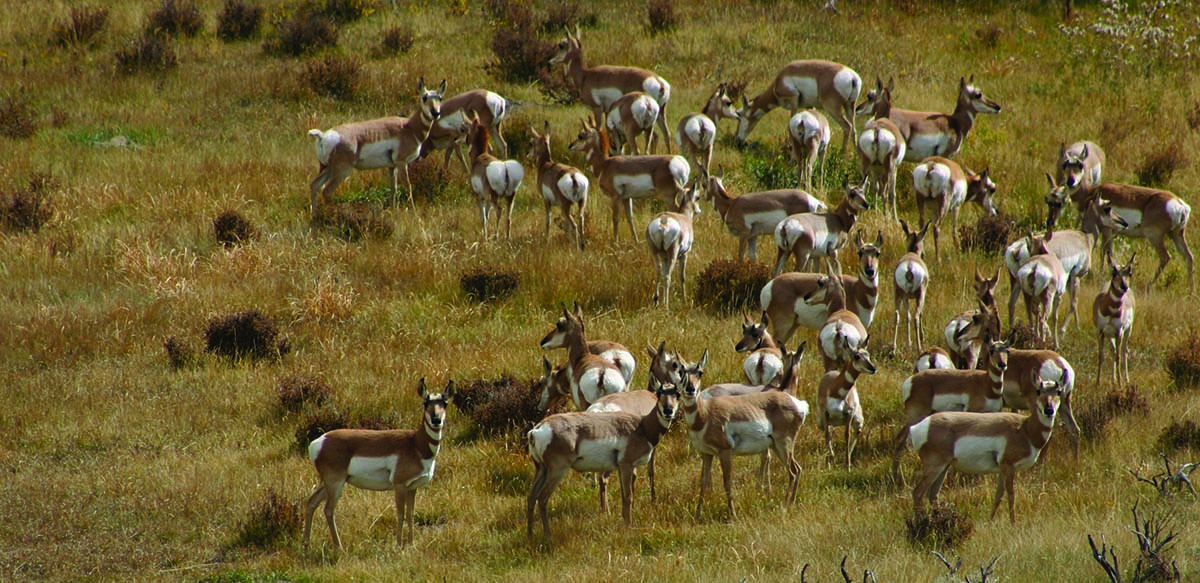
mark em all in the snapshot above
pixel 434 404
pixel 665 367
pixel 668 402
pixel 688 201
pixel 554 385
pixel 477 135
pixel 1070 167
pixel 980 190
pixel 1055 199
pixel 1049 393
pixel 566 325
pixel 913 239
pixel 998 355
pixel 972 97
pixel 867 107
pixel 714 185
pixel 569 49
pixel 856 194
pixel 1098 214
pixel 754 334
pixel 720 105
pixel 985 287
pixel 431 101
pixel 786 379
pixel 858 357
pixel 1038 244
pixel 1120 276
pixel 539 144
pixel 748 116
pixel 690 383
pixel 868 255
pixel 590 139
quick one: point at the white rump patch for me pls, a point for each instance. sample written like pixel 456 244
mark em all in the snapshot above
pixel 372 473
pixel 498 106
pixel 539 439
pixel 326 142
pixel 680 170
pixel 573 186
pixel 918 435
pixel 919 276
pixel 1179 212
pixel 663 234
pixel 700 130
pixel 658 88
pixel 933 361
pixel 878 148
pixel 848 84
pixel 829 337
pixel 505 176
pixel 623 360
pixel 769 363
pixel 645 111
pixel 806 125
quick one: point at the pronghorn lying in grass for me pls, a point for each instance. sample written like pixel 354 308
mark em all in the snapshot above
pixel 808 134
pixel 929 133
pixel 447 133
pixel 669 237
pixel 697 132
pixel 821 234
pixel 632 115
pixel 400 460
pixel 754 214
pixel 1112 312
pixel 560 185
pixel 837 398
pixel 380 143
pixel 965 349
pixel 591 376
pixel 910 281
pixel 943 182
pixel 494 181
pixel 802 85
pixel 765 361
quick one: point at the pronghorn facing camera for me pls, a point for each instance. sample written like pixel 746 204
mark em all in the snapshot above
pixel 821 234
pixel 380 143
pixel 1112 312
pixel 765 361
pixel 754 214
pixel 400 460
pixel 446 134
pixel 494 181
pixel 931 133
pixel 560 185
pixel 1079 166
pixel 591 376
pixel 943 182
pixel 669 237
pixel 1026 370
pixel 1043 282
pixel 632 115
pixel 802 85
pixel 837 398
pixel 808 134
pixel 982 443
pixel 697 132
pixel 910 282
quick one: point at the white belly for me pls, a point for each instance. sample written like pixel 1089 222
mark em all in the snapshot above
pixel 805 88
pixel 634 186
pixel 762 223
pixel 922 146
pixel 599 455
pixel 978 455
pixel 372 473
pixel 377 155
pixel 942 403
pixel 811 316
pixel 749 437
pixel 605 96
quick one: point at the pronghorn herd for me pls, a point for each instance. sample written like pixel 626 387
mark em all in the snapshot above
pixel 951 410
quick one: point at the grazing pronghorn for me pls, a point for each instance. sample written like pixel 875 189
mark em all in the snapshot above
pixel 765 361
pixel 943 182
pixel 386 142
pixel 837 398
pixel 754 214
pixel 933 357
pixel 624 178
pixel 808 134
pixel 1112 312
pixel 740 425
pixel 697 132
pixel 803 85
pixel 966 348
pixel 447 133
pixel 819 234
pixel 560 185
pixel 1026 370
pixel 982 443
pixel 669 237
pixel 594 442
pixel 910 282
pixel 1043 282
pixel 632 115
pixel 494 181
pixel 1079 166
pixel 600 87
pixel 935 390
pixel 592 376
pixel 881 149
pixel 930 133
pixel 783 298
pixel 400 460
pixel 842 324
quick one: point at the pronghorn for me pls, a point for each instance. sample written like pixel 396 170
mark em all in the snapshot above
pixel 400 460
pixel 697 132
pixel 754 214
pixel 929 133
pixel 943 182
pixel 765 361
pixel 632 115
pixel 592 376
pixel 669 237
pixel 802 85
pixel 1043 282
pixel 966 348
pixel 560 185
pixel 982 443
pixel 783 298
pixel 1112 312
pixel 613 352
pixel 837 398
pixel 933 357
pixel 910 281
pixel 1026 369
pixel 447 133
pixel 881 149
pixel 820 234
pixel 594 442
pixel 1079 166
pixel 786 380
pixel 624 178
pixel 380 143
pixel 600 87
pixel 935 390
pixel 842 324
pixel 740 425
pixel 808 133
pixel 494 181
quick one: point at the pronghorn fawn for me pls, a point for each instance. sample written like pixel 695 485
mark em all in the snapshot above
pixel 591 376
pixel 669 237
pixel 965 349
pixel 560 185
pixel 447 133
pixel 808 134
pixel 931 133
pixel 942 182
pixel 910 282
pixel 494 181
pixel 838 404
pixel 841 325
pixel 380 143
pixel 1112 312
pixel 1026 370
pixel 754 214
pixel 820 234
pixel 802 85
pixel 1079 166
pixel 932 357
pixel 697 132
pixel 881 150
pixel 765 361
pixel 1043 282
pixel 400 460
pixel 982 443
pixel 633 115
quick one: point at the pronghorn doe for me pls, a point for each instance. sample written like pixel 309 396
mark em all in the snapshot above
pixel 697 132
pixel 802 85
pixel 447 133
pixel 1079 166
pixel 966 348
pixel 494 181
pixel 1043 282
pixel 1112 312
pixel 754 214
pixel 837 398
pixel 841 325
pixel 808 134
pixel 669 237
pixel 821 234
pixel 591 376
pixel 910 282
pixel 943 182
pixel 560 185
pixel 930 133
pixel 1026 370
pixel 881 150
pixel 632 115
pixel 400 460
pixel 613 352
pixel 765 361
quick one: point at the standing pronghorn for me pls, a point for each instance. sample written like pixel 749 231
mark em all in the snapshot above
pixel 1043 282
pixel 400 460
pixel 1026 370
pixel 600 87
pixel 624 178
pixel 930 133
pixel 841 325
pixel 697 132
pixel 447 133
pixel 910 282
pixel 380 143
pixel 765 361
pixel 808 134
pixel 933 357
pixel 965 349
pixel 982 443
pixel 1113 314
pixel 943 182
pixel 560 185
pixel 613 352
pixel 837 398
pixel 632 115
pixel 754 214
pixel 881 149
pixel 494 181
pixel 808 235
pixel 1079 166
pixel 669 237
pixel 591 376
pixel 802 85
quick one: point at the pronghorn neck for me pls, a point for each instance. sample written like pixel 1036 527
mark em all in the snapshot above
pixel 766 341
pixel 430 440
pixel 695 413
pixel 655 425
pixel 721 200
pixel 996 376
pixel 765 101
pixel 576 345
pixel 576 68
pixel 421 124
pixel 542 158
pixel 1036 430
pixel 963 117
pixel 846 214
pixel 598 153
pixel 479 142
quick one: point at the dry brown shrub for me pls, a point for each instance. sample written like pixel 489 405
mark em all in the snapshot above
pixel 1094 417
pixel 1183 362
pixel 151 53
pixel 296 392
pixel 354 222
pixel 1160 165
pixel 396 40
pixel 231 228
pixel 726 286
pixel 989 35
pixel 81 29
pixel 239 21
pixel 489 283
pixel 247 334
pixel 506 404
pixel 180 353
pixel 663 18
pixel 305 32
pixel 175 17
pixel 274 520
pixel 567 15
pixel 1179 435
pixel 991 234
pixel 1193 117
pixel 28 209
pixel 333 76
pixel 16 118
pixel 940 527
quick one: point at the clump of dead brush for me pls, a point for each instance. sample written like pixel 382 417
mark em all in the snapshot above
pixel 941 526
pixel 726 286
pixel 296 392
pixel 1160 165
pixel 274 520
pixel 663 18
pixel 305 32
pixel 1155 539
pixel 333 76
pixel 175 17
pixel 29 208
pixel 396 40
pixel 1094 416
pixel 247 334
pixel 489 283
pixel 1172 480
pixel 17 118
pixel 81 29
pixel 354 222
pixel 497 406
pixel 1183 361
pixel 239 21
pixel 180 353
pixel 991 234
pixel 150 53
pixel 1179 435
pixel 231 228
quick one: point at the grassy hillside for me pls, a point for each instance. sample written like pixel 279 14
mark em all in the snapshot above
pixel 118 466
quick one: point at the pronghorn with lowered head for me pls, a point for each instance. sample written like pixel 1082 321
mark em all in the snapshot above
pixel 1079 166
pixel 560 185
pixel 982 443
pixel 933 357
pixel 697 132
pixel 837 398
pixel 447 134
pixel 400 460
pixel 881 150
pixel 808 134
pixel 820 234
pixel 765 361
pixel 1026 370
pixel 965 348
pixel 1043 282
pixel 1112 312
pixel 600 87
pixel 632 115
pixel 624 178
pixel 943 182
pixel 591 376
pixel 803 85
pixel 783 298
pixel 494 181
pixel 910 282
pixel 754 214
pixel 841 325
pixel 669 237
pixel 380 143
pixel 930 133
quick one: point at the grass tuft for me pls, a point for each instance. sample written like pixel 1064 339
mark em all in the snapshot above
pixel 1183 362
pixel 180 353
pixel 175 17
pixel 1160 165
pixel 396 40
pixel 231 228
pixel 1179 435
pixel 16 118
pixel 81 29
pixel 499 406
pixel 333 76
pixel 239 21
pixel 1193 117
pixel 941 527
pixel 304 33
pixel 273 521
pixel 246 334
pixel 489 283
pixel 150 53
pixel 28 209
pixel 726 286
pixel 296 392
pixel 991 234
pixel 1094 417
pixel 770 168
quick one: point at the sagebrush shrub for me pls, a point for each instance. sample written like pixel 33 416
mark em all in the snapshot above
pixel 296 392
pixel 1160 165
pixel 521 55
pixel 150 53
pixel 729 285
pixel 333 76
pixel 1094 417
pixel 662 16
pixel 940 527
pixel 566 15
pixel 180 353
pixel 16 118
pixel 354 222
pixel 303 33
pixel 488 283
pixel 239 21
pixel 989 35
pixel 1179 435
pixel 274 520
pixel 497 406
pixel 345 11
pixel 396 40
pixel 246 334
pixel 175 17
pixel 431 181
pixel 1183 362
pixel 991 234
pixel 30 208
pixel 81 28
pixel 231 228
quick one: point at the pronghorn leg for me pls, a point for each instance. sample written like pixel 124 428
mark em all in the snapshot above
pixel 1014 289
pixel 627 476
pixel 508 218
pixel 726 458
pixel 310 507
pixel 781 260
pixel 337 177
pixel 412 505
pixel 705 481
pixel 1124 348
pixel 853 430
pixel 1180 239
pixel 683 257
pixel 896 321
pixel 898 444
pixel 662 126
pixel 1073 288
pixel 1099 356
pixel 616 215
pixel 1164 257
pixel 498 135
pixel 407 183
pixel 920 308
pixel 314 188
pixel 535 493
pixel 551 483
pixel 331 500
pixel 828 436
pixel 602 483
pixel 650 475
pixel 1010 477
pixel 628 210
pixel 999 491
pixel 785 449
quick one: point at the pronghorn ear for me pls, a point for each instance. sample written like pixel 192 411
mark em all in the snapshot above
pixel 996 278
pixel 448 393
pixel 1062 149
pixel 745 317
pixel 858 238
pixel 745 102
pixel 879 239
pixel 421 390
pixel 546 128
pixel 700 366
pixel 766 320
pixel 978 278
pixel 1036 378
pixel 904 226
pixel 578 310
pixel 1085 151
pixel 878 83
pixel 576 31
pixel 421 85
pixel 1129 266
pixel 891 86
pixel 800 350
pixel 721 171
pixel 442 89
pixel 546 367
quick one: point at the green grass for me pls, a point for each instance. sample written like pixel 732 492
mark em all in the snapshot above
pixel 118 468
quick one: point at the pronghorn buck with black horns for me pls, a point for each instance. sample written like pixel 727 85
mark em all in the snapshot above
pixel 561 185
pixel 930 133
pixel 945 184
pixel 982 443
pixel 881 149
pixel 838 404
pixel 1043 282
pixel 600 87
pixel 1112 312
pixel 802 85
pixel 632 115
pixel 820 234
pixel 669 237
pixel 401 460
pixel 494 181
pixel 380 143
pixel 697 132
pixel 910 282
pixel 754 214
pixel 446 134
pixel 808 134
pixel 591 376
pixel 765 361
